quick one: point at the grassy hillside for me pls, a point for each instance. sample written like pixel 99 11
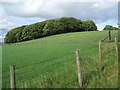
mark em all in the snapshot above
pixel 0 66
pixel 50 62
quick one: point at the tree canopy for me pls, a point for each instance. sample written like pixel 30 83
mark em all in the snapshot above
pixel 89 25
pixel 49 27
pixel 110 27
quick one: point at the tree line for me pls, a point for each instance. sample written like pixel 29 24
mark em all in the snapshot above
pixel 110 27
pixel 47 28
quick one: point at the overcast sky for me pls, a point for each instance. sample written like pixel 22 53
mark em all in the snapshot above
pixel 20 12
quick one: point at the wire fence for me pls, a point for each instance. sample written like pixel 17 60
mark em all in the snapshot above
pixel 66 65
pixel 39 62
pixel 17 68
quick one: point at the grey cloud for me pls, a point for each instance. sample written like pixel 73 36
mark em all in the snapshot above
pixel 48 9
pixel 17 13
pixel 83 10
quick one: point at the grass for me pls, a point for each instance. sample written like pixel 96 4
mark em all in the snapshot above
pixel 53 63
pixel 0 66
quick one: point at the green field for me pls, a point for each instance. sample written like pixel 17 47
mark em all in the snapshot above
pixel 50 62
pixel 0 66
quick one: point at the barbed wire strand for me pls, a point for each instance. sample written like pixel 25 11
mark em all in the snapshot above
pixel 39 62
pixel 32 70
pixel 55 58
pixel 50 59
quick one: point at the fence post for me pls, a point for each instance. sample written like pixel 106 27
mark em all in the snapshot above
pixel 100 56
pixel 12 77
pixel 116 47
pixel 79 69
pixel 109 35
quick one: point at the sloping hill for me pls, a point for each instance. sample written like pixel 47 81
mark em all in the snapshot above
pixel 50 62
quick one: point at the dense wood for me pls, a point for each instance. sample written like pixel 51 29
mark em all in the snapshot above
pixel 100 56
pixel 79 69
pixel 116 47
pixel 12 77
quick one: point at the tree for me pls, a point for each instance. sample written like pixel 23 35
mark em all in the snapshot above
pixel 108 27
pixel 88 25
pixel 14 35
pixel 62 25
pixel 33 31
pixel 115 28
pixel 48 27
pixel 70 24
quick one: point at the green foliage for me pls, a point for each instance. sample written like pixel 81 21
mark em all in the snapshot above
pixel 70 24
pixel 115 28
pixel 51 27
pixel 47 28
pixel 14 35
pixel 33 31
pixel 89 25
pixel 62 25
pixel 110 27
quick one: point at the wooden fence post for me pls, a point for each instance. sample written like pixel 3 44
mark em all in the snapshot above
pixel 109 35
pixel 12 77
pixel 79 69
pixel 100 56
pixel 116 47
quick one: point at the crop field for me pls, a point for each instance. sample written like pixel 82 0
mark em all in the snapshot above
pixel 50 62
